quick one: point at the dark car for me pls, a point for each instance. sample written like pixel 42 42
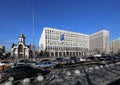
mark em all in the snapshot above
pixel 103 60
pixel 20 72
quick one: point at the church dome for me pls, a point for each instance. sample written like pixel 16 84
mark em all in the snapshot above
pixel 21 36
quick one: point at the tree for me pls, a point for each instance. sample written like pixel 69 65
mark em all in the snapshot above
pixel 7 55
pixel 13 45
pixel 41 53
pixel 1 55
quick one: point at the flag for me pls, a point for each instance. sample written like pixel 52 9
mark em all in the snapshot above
pixel 62 37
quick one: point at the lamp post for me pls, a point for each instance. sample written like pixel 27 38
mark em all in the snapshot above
pixel 62 39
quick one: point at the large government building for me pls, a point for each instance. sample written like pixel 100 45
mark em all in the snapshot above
pixel 115 45
pixel 61 43
pixel 99 42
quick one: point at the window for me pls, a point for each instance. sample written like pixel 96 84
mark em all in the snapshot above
pixel 29 68
pixel 46 37
pixel 20 48
pixel 9 70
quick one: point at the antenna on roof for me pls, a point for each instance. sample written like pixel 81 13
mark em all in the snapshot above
pixel 97 27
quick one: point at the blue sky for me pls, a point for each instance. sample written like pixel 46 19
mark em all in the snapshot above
pixel 84 16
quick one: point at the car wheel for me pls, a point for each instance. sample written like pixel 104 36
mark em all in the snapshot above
pixel 1 80
pixel 11 78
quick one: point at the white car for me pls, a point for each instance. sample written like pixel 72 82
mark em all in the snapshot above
pixel 82 59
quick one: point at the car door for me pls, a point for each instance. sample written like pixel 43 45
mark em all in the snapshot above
pixel 10 72
pixel 44 65
pixel 49 64
pixel 14 73
pixel 20 73
pixel 31 72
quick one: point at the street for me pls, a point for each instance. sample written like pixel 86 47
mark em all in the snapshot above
pixel 79 75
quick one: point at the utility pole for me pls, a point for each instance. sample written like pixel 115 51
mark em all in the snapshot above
pixel 33 34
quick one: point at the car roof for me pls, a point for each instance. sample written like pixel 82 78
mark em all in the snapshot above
pixel 22 65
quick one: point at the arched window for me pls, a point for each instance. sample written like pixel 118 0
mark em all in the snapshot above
pixel 20 48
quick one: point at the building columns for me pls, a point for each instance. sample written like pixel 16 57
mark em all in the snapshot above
pixel 74 53
pixel 54 54
pixel 50 53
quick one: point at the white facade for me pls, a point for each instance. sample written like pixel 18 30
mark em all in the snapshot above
pixel 74 44
pixel 99 42
pixel 115 46
pixel 20 50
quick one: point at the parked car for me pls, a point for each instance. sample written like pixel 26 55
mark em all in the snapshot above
pixel 60 61
pixel 116 58
pixel 32 63
pixel 73 60
pixel 82 59
pixel 54 61
pixel 4 65
pixel 104 61
pixel 47 64
pixel 20 72
pixel 68 61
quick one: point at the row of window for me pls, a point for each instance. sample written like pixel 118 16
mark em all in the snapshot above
pixel 64 48
pixel 61 43
pixel 57 37
pixel 67 34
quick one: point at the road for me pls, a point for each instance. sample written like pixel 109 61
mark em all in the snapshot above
pixel 81 75
pixel 88 75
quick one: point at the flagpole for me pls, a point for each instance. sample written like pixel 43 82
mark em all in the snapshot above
pixel 62 39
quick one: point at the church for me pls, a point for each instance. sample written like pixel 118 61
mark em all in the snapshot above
pixel 20 50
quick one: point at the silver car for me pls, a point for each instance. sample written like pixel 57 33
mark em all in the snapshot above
pixel 46 64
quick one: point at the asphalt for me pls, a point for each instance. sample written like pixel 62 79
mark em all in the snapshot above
pixel 81 75
pixel 89 75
